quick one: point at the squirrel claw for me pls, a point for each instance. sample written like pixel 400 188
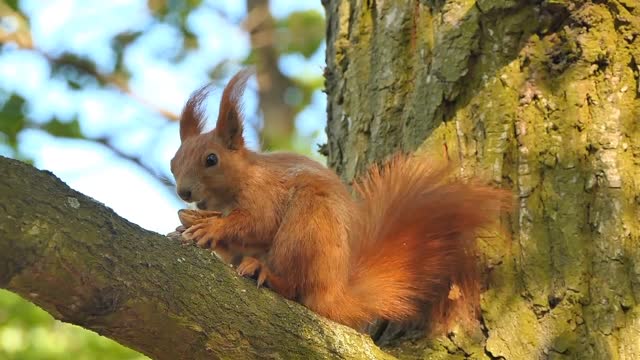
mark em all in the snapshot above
pixel 261 278
pixel 177 233
pixel 201 234
pixel 248 266
pixel 251 266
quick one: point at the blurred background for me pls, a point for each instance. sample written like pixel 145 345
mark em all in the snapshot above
pixel 91 90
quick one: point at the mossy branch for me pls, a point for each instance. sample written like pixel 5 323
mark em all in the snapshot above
pixel 85 265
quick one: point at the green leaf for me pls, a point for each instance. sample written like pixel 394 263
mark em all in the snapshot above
pixel 74 84
pixel 124 39
pixel 157 7
pixel 77 71
pixel 190 39
pixel 13 4
pixel 69 129
pixel 76 62
pixel 12 119
pixel 301 31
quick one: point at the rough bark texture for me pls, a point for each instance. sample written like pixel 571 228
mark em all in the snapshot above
pixel 85 265
pixel 543 97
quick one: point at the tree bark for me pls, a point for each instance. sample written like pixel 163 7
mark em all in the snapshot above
pixel 85 265
pixel 543 97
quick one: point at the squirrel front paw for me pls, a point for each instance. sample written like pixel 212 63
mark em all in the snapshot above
pixel 177 233
pixel 205 234
pixel 189 218
pixel 250 267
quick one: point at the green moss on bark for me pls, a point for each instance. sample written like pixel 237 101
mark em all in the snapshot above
pixel 539 97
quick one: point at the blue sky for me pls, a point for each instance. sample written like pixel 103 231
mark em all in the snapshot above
pixel 86 27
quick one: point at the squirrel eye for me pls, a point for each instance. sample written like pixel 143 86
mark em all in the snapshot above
pixel 212 160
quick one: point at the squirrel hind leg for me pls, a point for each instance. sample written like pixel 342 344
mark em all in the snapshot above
pixel 311 252
pixel 253 267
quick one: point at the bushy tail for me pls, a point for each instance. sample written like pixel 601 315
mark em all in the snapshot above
pixel 414 239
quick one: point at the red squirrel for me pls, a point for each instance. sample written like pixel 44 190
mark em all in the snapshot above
pixel 290 222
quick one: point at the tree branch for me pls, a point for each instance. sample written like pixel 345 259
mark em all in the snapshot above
pixel 85 265
pixel 112 80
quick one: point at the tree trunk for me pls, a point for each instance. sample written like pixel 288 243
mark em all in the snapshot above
pixel 85 265
pixel 544 98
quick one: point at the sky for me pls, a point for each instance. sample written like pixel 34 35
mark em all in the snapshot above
pixel 85 27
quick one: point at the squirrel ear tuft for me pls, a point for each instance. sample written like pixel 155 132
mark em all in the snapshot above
pixel 192 118
pixel 229 126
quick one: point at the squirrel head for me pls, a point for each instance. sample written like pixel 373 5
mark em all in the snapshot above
pixel 209 167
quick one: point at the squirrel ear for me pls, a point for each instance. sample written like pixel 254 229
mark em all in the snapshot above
pixel 192 118
pixel 229 126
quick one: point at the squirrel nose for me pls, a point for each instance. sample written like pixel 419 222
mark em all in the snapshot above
pixel 185 194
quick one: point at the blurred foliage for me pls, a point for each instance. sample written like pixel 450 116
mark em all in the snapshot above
pixel 13 25
pixel 300 32
pixel 175 12
pixel 11 119
pixel 27 332
pixel 13 4
pixel 68 129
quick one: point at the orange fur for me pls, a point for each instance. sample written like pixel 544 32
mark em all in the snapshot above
pixel 291 222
